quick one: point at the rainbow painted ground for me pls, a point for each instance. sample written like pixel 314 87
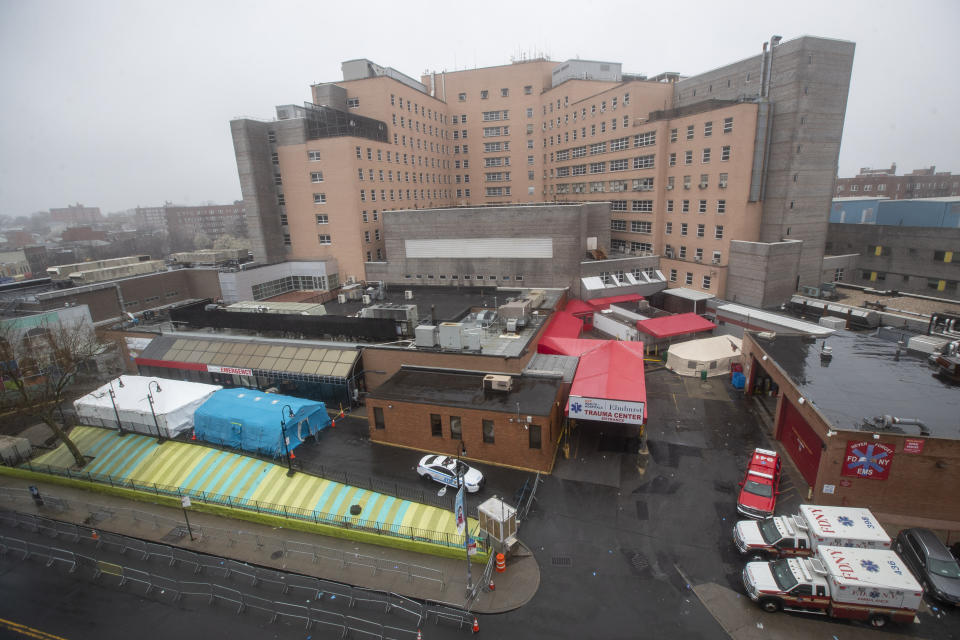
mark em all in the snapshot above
pixel 198 468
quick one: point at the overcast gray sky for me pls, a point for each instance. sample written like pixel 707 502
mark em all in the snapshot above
pixel 127 103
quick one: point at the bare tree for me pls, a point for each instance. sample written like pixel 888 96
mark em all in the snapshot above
pixel 39 362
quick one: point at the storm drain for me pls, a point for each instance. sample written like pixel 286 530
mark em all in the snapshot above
pixel 639 562
pixel 561 561
pixel 174 535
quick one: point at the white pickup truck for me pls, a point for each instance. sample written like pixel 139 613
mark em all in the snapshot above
pixel 840 582
pixel 801 534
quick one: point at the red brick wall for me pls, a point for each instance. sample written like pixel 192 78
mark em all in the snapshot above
pixel 408 425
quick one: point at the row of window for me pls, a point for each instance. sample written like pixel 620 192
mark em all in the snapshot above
pixel 426 178
pixel 414 159
pixel 398 194
pixel 593 107
pixel 430 114
pixel 455 276
pixel 681 254
pixel 705 156
pixel 504 93
pixel 688 279
pixel 613 186
pixel 701 206
pixel 623 164
pixel 410 123
pixel 935 284
pixel 939 255
pixel 646 226
pixel 707 130
pixel 703 184
pixel 910 187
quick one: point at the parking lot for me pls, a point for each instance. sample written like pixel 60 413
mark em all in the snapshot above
pixel 637 547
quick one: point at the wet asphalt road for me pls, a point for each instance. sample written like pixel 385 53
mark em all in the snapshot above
pixel 618 547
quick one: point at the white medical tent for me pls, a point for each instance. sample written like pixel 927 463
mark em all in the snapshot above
pixel 174 404
pixel 713 355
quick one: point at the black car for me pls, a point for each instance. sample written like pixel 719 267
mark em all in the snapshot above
pixel 931 563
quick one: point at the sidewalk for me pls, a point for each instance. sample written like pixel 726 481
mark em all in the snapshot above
pixel 262 545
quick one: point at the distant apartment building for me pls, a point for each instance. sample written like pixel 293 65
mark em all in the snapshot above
pixel 725 176
pixel 211 219
pixel 76 214
pixel 919 183
pixel 82 234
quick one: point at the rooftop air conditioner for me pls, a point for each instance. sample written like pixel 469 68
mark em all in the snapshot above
pixel 498 383
pixel 408 294
pixel 366 299
pixel 342 298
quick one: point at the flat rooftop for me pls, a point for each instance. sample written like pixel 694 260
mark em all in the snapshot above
pixel 865 379
pixel 456 304
pixel 534 395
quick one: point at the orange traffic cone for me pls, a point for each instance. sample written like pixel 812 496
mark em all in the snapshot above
pixel 333 423
pixel 94 534
pixel 476 626
pixel 419 637
pixel 292 457
pixel 492 586
pixel 193 435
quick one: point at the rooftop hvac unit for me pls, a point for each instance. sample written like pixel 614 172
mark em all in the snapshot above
pixel 473 340
pixel 497 383
pixel 511 325
pixel 366 299
pixel 342 298
pixel 451 335
pixel 426 335
pixel 408 294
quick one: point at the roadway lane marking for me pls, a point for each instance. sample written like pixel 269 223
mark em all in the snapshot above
pixel 30 632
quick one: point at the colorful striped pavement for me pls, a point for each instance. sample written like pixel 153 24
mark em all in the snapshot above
pixel 198 468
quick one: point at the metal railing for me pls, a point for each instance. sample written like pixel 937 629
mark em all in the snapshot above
pixel 267 508
pixel 319 593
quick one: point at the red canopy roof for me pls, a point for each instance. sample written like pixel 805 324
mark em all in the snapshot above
pixel 578 306
pixel 613 371
pixel 563 325
pixel 567 346
pixel 677 325
pixel 603 303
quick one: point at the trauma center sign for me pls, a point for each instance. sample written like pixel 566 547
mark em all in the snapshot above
pixel 622 411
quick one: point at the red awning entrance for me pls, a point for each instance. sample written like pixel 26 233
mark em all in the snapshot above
pixel 609 385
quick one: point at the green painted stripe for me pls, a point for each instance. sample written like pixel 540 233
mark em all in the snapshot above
pixel 120 448
pixel 268 485
pixel 293 486
pixel 163 456
pixel 230 475
pixel 175 471
pixel 412 517
pixel 132 459
pixel 303 497
pixel 331 497
pixel 227 468
pixel 249 480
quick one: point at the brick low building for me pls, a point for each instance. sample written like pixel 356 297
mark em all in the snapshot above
pixel 829 418
pixel 434 411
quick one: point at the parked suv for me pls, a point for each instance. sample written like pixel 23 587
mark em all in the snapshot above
pixel 761 485
pixel 931 563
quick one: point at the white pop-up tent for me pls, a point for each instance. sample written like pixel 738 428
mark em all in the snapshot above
pixel 174 404
pixel 713 355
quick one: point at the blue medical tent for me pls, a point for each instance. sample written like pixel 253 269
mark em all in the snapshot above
pixel 250 420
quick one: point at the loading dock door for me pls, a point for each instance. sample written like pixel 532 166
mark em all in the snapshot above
pixel 801 443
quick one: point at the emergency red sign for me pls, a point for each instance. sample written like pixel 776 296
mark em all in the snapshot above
pixel 867 459
pixel 912 445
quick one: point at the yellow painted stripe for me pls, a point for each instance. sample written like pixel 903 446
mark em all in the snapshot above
pixel 180 468
pixel 304 496
pixel 268 485
pixel 162 458
pixel 412 517
pixel 372 507
pixel 293 487
pixel 332 497
pixel 224 475
pixel 259 470
pixel 279 484
pixel 29 632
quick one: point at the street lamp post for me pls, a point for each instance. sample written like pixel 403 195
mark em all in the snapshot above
pixel 113 401
pixel 150 400
pixel 283 435
pixel 466 521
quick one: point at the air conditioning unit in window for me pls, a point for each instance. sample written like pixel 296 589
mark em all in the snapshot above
pixel 669 187
pixel 716 261
pixel 723 185
pixel 669 253
pixel 704 185
pixel 697 259
pixel 341 298
pixel 686 186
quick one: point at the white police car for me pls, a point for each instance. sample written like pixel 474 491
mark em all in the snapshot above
pixel 443 469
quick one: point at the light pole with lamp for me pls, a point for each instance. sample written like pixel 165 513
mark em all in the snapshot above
pixel 150 400
pixel 283 435
pixel 462 450
pixel 113 401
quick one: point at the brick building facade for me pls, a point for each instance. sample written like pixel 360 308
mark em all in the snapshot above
pixel 919 183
